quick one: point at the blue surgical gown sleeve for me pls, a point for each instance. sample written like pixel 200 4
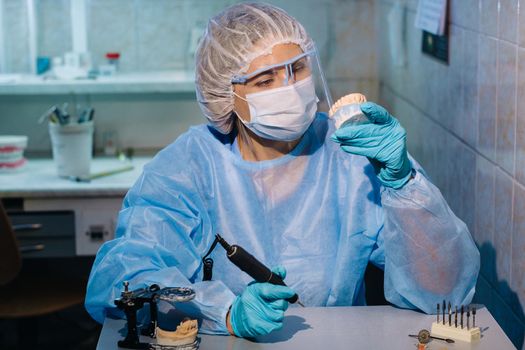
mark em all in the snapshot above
pixel 162 232
pixel 427 253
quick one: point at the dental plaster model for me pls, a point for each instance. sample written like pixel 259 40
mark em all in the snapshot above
pixel 347 109
pixel 185 334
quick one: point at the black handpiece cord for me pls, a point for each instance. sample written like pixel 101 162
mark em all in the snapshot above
pixel 253 267
pixel 207 263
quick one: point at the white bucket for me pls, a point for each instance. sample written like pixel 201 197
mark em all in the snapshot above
pixel 72 146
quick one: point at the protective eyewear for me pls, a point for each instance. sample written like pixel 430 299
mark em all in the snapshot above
pixel 296 68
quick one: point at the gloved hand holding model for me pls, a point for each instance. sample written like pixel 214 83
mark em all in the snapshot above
pixel 383 142
pixel 260 308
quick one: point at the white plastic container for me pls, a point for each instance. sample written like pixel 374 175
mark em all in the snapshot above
pixel 72 146
pixel 12 152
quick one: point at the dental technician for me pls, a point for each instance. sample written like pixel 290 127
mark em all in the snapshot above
pixel 271 174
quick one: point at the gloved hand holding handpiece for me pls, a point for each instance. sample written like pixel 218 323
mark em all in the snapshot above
pixel 260 308
pixel 382 140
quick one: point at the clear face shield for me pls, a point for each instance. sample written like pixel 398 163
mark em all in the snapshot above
pixel 293 70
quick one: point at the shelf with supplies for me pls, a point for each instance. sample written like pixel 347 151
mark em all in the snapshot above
pixel 175 81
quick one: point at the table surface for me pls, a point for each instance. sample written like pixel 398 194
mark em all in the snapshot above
pixel 39 179
pixel 358 327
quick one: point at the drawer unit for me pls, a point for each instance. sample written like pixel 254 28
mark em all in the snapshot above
pixel 45 233
pixel 95 218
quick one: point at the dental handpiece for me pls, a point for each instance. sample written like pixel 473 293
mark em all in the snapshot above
pixel 253 267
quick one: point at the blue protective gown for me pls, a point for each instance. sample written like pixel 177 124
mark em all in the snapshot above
pixel 318 211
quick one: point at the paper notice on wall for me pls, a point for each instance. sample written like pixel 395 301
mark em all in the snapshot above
pixel 431 16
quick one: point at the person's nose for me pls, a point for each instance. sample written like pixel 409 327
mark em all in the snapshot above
pixel 286 76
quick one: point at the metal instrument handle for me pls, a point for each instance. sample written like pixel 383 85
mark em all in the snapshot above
pixel 27 227
pixel 31 248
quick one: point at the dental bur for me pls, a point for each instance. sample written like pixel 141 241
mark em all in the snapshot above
pixel 444 310
pixel 449 314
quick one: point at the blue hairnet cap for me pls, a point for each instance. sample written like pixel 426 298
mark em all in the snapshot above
pixel 232 39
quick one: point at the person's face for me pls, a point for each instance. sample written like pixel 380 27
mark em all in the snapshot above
pixel 272 78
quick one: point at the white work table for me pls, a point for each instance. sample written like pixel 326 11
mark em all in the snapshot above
pixel 365 327
pixel 39 179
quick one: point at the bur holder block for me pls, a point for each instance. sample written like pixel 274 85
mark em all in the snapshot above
pixel 446 331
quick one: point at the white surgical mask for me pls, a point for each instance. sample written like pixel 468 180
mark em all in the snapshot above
pixel 284 113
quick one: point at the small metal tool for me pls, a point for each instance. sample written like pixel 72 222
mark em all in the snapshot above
pixel 462 311
pixel 468 317
pixel 448 340
pixel 449 314
pixel 424 337
pixel 50 114
pixel 64 115
pixel 456 317
pixel 101 174
pixel 473 316
pixel 91 114
pixel 86 115
pixel 444 310
pixel 437 313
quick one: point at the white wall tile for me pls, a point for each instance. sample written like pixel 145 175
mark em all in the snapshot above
pixel 54 27
pixel 503 228
pixel 16 33
pixel 470 88
pixel 489 13
pixel 506 106
pixel 488 81
pixel 465 13
pixel 163 35
pixel 112 28
pixel 508 20
pixel 520 116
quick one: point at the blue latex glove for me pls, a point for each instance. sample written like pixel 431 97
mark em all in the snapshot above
pixel 260 308
pixel 383 141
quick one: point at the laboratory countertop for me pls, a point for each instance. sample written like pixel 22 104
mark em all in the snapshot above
pixel 39 179
pixel 364 327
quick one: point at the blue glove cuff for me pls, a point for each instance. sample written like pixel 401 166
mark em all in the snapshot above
pixel 238 331
pixel 396 179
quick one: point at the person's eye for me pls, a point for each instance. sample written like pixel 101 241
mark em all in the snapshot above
pixel 264 83
pixel 298 67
